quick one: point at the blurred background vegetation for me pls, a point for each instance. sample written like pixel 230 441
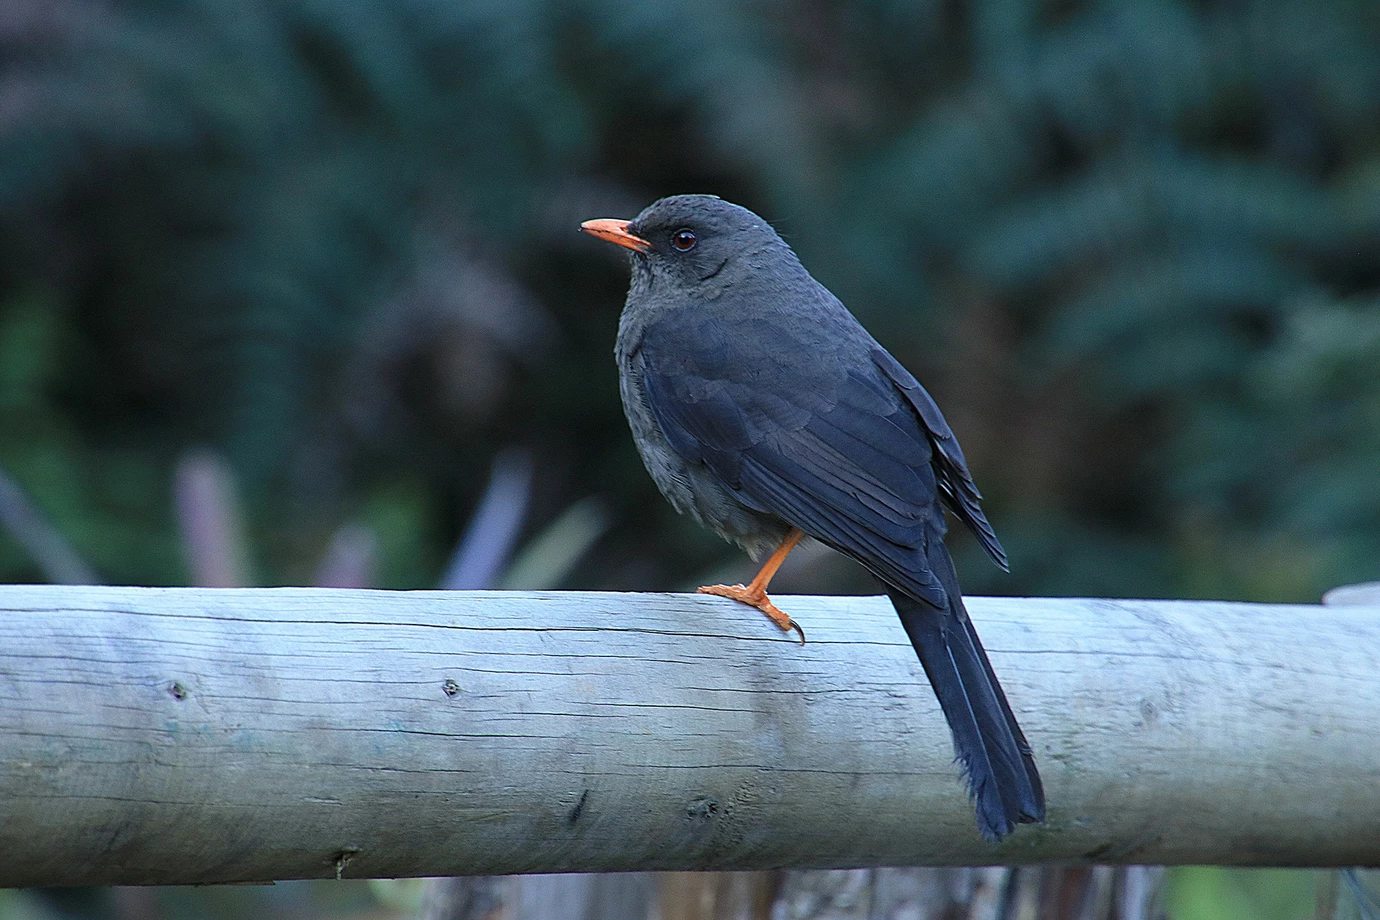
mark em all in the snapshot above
pixel 303 276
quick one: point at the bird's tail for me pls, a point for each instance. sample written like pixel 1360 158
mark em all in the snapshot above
pixel 997 760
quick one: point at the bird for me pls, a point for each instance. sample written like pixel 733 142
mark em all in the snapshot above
pixel 762 408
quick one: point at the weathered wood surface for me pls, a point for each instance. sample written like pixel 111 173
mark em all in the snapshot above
pixel 211 735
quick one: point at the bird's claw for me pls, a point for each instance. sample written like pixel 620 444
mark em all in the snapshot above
pixel 756 598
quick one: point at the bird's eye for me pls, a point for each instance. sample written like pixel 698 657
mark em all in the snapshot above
pixel 683 239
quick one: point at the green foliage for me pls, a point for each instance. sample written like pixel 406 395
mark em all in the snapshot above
pixel 105 498
pixel 1131 246
pixel 1205 893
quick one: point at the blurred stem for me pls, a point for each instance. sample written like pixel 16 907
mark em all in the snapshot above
pixel 1140 892
pixel 462 898
pixel 488 541
pixel 1325 895
pixel 351 561
pixel 1367 905
pixel 45 545
pixel 208 516
pixel 549 559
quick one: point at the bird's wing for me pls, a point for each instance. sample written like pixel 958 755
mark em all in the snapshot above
pixel 844 452
pixel 960 493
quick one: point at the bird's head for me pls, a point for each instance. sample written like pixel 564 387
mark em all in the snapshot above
pixel 689 242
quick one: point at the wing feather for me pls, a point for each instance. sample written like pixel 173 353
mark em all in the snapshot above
pixel 843 453
pixel 960 493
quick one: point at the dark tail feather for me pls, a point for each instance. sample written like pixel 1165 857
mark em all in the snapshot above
pixel 996 758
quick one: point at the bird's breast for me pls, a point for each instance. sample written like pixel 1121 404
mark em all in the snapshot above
pixel 690 487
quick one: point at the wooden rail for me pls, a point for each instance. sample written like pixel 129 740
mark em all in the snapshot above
pixel 172 736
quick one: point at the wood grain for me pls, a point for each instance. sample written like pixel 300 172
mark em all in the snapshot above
pixel 161 736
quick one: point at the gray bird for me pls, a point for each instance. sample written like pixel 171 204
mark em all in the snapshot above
pixel 763 408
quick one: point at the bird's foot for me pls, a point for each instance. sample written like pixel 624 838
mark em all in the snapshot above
pixel 755 597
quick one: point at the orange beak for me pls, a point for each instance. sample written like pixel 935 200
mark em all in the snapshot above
pixel 615 231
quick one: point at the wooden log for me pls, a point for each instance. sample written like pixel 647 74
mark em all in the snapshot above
pixel 173 736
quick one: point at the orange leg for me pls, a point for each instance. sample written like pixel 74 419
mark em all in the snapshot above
pixel 755 594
